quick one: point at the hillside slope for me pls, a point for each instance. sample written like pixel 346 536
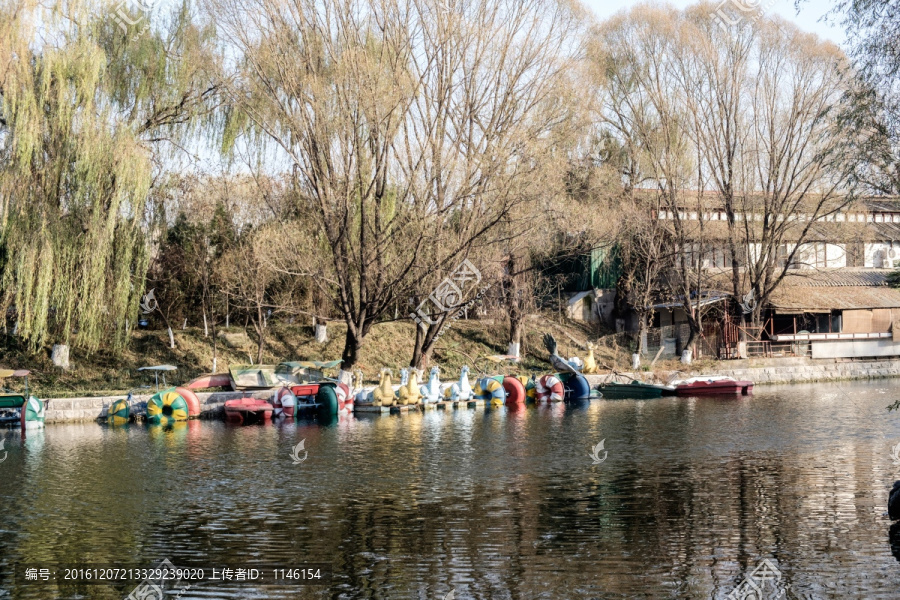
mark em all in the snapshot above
pixel 388 345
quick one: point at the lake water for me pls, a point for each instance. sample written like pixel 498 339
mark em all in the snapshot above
pixel 491 504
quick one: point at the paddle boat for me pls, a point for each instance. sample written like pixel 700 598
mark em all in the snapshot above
pixel 305 388
pixel 263 377
pixel 409 393
pixel 383 395
pixel 119 412
pixel 171 404
pixel 326 397
pixel 574 385
pixel 245 411
pixel 549 388
pixel 712 385
pixel 460 391
pixel 633 389
pixel 431 391
pixel 529 384
pixel 490 389
pixel 514 389
pixel 20 407
pixel 284 403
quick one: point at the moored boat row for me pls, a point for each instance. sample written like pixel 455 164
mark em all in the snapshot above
pixel 301 387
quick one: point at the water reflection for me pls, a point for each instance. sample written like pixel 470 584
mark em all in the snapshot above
pixel 501 503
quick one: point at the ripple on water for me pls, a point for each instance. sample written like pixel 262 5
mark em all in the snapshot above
pixel 495 504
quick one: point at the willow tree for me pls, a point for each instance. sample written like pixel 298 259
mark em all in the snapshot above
pixel 413 129
pixel 85 110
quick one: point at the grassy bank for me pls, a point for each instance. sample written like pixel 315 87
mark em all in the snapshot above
pixel 388 345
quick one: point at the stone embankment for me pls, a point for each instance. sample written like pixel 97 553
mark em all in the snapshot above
pixel 765 371
pixel 91 409
pixel 760 371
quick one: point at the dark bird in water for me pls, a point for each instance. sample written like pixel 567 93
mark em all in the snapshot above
pixel 894 502
pixel 561 365
pixel 894 537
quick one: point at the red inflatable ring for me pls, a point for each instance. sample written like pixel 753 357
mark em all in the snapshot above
pixel 285 403
pixel 193 403
pixel 515 391
pixel 550 389
pixel 345 398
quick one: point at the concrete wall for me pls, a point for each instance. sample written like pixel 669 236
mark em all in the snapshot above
pixel 91 409
pixel 787 370
pixel 760 371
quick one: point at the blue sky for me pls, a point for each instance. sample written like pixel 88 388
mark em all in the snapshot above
pixel 807 19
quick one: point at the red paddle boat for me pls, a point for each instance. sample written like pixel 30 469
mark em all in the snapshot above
pixel 715 385
pixel 248 410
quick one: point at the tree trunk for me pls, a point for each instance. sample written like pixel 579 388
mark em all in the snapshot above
pixel 215 344
pixel 260 345
pixel 350 355
pixel 416 360
pixel 425 341
pixel 168 327
pixel 516 328
pixel 260 327
pixel 205 326
pixel 642 333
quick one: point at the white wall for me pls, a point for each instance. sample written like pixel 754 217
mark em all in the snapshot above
pixel 855 348
pixel 875 255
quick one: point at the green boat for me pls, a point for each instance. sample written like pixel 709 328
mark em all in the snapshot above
pixel 614 390
pixel 27 410
pixel 260 377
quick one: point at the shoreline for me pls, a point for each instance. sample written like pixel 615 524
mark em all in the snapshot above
pixel 761 371
pixel 772 371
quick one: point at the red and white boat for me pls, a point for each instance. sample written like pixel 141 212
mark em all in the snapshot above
pixel 713 385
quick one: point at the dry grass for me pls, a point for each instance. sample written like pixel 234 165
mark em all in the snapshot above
pixel 388 345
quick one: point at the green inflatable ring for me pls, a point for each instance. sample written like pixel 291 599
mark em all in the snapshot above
pixel 327 399
pixel 166 407
pixel 33 413
pixel 119 413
